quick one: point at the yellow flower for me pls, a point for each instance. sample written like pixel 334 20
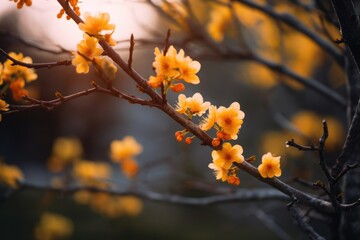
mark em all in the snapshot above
pixel 10 175
pixel 227 155
pixel 210 120
pixel 181 106
pixel 166 64
pixel 124 149
pixel 220 21
pixel 187 68
pixel 219 172
pixel 53 226
pixel 87 48
pixel 195 104
pixel 175 65
pixel 13 72
pixel 230 119
pixel 155 82
pixel 270 166
pixel 91 173
pixel 94 25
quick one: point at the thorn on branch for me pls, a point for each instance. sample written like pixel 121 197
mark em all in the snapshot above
pixel 131 51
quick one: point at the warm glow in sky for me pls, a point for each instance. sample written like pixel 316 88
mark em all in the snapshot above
pixel 40 25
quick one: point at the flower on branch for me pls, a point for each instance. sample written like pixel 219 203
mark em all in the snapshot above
pixel 230 119
pixel 219 171
pixel 13 72
pixel 210 120
pixel 270 166
pixel 87 50
pixel 10 175
pixel 227 155
pixel 173 66
pixel 194 105
pixel 95 25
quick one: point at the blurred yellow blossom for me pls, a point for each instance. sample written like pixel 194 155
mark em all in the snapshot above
pixel 110 205
pixel 129 167
pixel 17 89
pixel 274 141
pixel 10 175
pixel 227 155
pixel 131 206
pixel 336 134
pixel 1 73
pixel 230 119
pixel 95 25
pixel 53 226
pixel 87 51
pixel 270 166
pixel 178 12
pixel 308 123
pixel 127 148
pixel 194 105
pixel 92 173
pixel 220 22
pixel 14 72
pixel 64 152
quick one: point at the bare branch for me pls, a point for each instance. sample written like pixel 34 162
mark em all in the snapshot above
pixel 36 65
pixel 302 223
pixel 243 195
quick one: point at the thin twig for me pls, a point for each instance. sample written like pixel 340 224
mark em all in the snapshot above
pixel 302 223
pixel 131 51
pixel 35 65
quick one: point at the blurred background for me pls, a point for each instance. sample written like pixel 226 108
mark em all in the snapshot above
pixel 276 109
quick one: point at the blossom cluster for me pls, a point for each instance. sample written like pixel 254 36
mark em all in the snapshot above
pixel 171 67
pixel 15 77
pixel 89 51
